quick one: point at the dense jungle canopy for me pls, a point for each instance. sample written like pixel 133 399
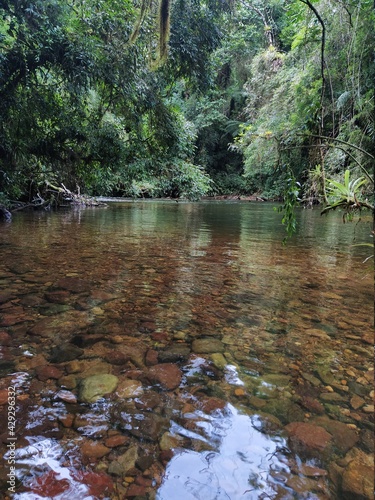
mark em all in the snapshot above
pixel 184 98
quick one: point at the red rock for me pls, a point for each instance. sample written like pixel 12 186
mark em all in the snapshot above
pixel 143 481
pixel 151 357
pixel 74 285
pixel 358 477
pixel 3 396
pixel 135 490
pixel 134 374
pixel 147 327
pixel 211 404
pixel 42 328
pixel 58 297
pixel 114 441
pixel 368 339
pixel 167 375
pixel 159 336
pixel 6 297
pixel 149 401
pixel 343 438
pixel 311 437
pixel 117 358
pixel 100 484
pixel 47 371
pixel 13 319
pixel 49 486
pixel 165 456
pixel 5 339
pixel 312 405
pixel 94 449
pixel 67 420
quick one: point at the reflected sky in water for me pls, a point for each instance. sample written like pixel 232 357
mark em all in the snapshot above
pixel 242 467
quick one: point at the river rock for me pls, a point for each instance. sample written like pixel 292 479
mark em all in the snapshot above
pixel 207 346
pixel 124 463
pixel 359 389
pixel 177 352
pixel 212 404
pixel 325 376
pixel 6 297
pixel 284 409
pixel 344 438
pixel 64 352
pixel 367 440
pixel 152 357
pixel 169 441
pixel 66 396
pixel 74 285
pixel 315 332
pixel 46 372
pixel 58 297
pixel 117 440
pixel 332 397
pixel 94 449
pixel 148 401
pixel 68 382
pixel 148 428
pixel 312 405
pixel 6 366
pixel 53 309
pixel 310 378
pixel 300 484
pixel 313 438
pixel 116 357
pixel 136 491
pixel 3 396
pixel 368 409
pixel 5 338
pixel 358 477
pixel 219 360
pixel 356 402
pixel 129 389
pixel 167 375
pixel 94 387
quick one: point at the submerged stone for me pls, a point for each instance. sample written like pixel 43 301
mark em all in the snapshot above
pixel 169 441
pixel 167 375
pixel 48 372
pixel 95 387
pixel 177 352
pixel 129 389
pixel 94 449
pixel 207 346
pixel 74 285
pixel 124 463
pixel 358 477
pixel 284 409
pixel 344 438
pixel 65 352
pixel 312 437
pixel 219 360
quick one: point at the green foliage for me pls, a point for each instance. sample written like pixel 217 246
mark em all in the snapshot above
pixel 346 195
pixel 291 200
pixel 79 99
pixel 85 97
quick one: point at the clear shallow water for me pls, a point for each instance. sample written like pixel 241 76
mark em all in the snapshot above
pixel 286 333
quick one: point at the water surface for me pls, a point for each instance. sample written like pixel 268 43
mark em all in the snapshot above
pixel 219 339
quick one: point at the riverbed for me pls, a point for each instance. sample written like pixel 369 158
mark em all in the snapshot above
pixel 164 350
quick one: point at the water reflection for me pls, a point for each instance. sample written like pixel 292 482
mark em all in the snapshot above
pixel 244 465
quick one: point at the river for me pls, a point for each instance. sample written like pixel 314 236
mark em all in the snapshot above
pixel 180 351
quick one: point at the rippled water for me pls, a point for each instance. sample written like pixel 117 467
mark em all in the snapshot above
pixel 242 368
